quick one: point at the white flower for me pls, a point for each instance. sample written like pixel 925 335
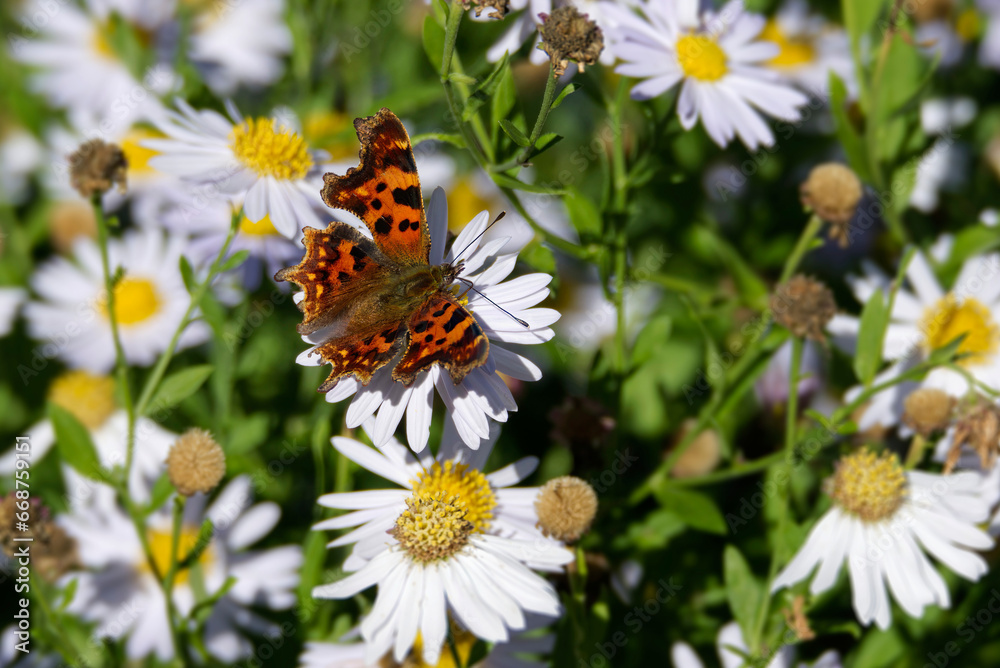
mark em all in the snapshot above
pixel 989 46
pixel 240 43
pixel 882 522
pixel 10 302
pixel 20 155
pixel 771 386
pixel 77 68
pixel 120 593
pixel 263 160
pixel 924 318
pixel 502 655
pixel 944 165
pixel 716 57
pixel 810 48
pixel 730 638
pixel 436 561
pixel 494 505
pixel 150 302
pixel 482 394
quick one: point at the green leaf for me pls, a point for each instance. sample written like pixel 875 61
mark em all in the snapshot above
pixel 544 143
pixel 484 91
pixel 583 213
pixel 697 510
pixel 74 443
pixel 187 273
pixel 539 257
pixel 455 140
pixel 162 489
pixel 653 533
pixel 654 334
pixel 201 544
pixel 514 133
pixel 458 77
pixel 881 648
pixel 247 433
pixel 505 181
pixel 563 94
pixel 68 594
pixel 234 260
pixel 742 589
pixel 868 355
pixel 178 386
pixel 897 112
pixel 433 42
pixel 860 16
pixel 504 97
pixel 850 140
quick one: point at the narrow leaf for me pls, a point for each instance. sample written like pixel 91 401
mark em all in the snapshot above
pixel 564 93
pixel 868 356
pixel 178 386
pixel 74 443
pixel 742 589
pixel 514 132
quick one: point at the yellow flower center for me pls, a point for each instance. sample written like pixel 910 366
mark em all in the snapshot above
pixel 333 132
pixel 968 24
pixel 870 486
pixel 160 543
pixel 470 486
pixel 793 52
pixel 91 399
pixel 136 300
pixel 433 526
pixel 947 320
pixel 701 57
pixel 136 154
pixel 464 203
pixel 270 151
pixel 262 228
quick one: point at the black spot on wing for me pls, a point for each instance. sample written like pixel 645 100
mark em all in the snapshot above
pixel 380 187
pixel 407 196
pixel 343 277
pixel 358 254
pixel 453 322
pixel 383 225
pixel 376 204
pixel 404 225
pixel 420 327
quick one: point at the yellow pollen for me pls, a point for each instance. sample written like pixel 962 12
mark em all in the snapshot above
pixel 470 486
pixel 793 52
pixel 91 399
pixel 433 526
pixel 270 151
pixel 947 320
pixel 701 58
pixel 262 228
pixel 464 203
pixel 136 300
pixel 869 486
pixel 136 154
pixel 968 25
pixel 160 545
pixel 333 132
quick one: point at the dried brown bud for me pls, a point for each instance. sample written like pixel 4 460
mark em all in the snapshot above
pixel 702 454
pixel 96 166
pixel 803 306
pixel 980 430
pixel 195 462
pixel 498 8
pixel 833 192
pixel 53 551
pixel 567 35
pixel 926 11
pixel 566 506
pixel 927 410
pixel 796 619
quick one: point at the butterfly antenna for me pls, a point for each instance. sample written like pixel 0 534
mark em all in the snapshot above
pixel 516 319
pixel 479 236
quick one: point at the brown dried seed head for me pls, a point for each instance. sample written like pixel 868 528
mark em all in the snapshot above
pixel 980 430
pixel 927 410
pixel 497 8
pixel 567 35
pixel 803 306
pixel 53 551
pixel 96 166
pixel 195 463
pixel 701 456
pixel 833 192
pixel 566 507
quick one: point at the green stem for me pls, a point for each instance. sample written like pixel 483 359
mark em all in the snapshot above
pixel 543 113
pixel 168 582
pixel 735 472
pixel 801 248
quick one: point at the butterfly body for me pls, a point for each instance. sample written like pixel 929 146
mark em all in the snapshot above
pixel 370 299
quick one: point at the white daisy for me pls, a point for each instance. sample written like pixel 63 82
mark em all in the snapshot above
pixel 120 593
pixel 502 655
pixel 242 43
pixel 482 395
pixel 924 318
pixel 437 561
pixel 882 522
pixel 945 164
pixel 716 57
pixel 20 155
pixel 10 303
pixel 493 504
pixel 730 639
pixel 150 302
pixel 260 160
pixel 91 400
pixel 79 70
pixel 810 48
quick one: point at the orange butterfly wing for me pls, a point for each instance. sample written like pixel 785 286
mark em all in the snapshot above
pixel 360 354
pixel 442 332
pixel 384 190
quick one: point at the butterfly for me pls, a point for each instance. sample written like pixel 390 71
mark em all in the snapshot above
pixel 369 299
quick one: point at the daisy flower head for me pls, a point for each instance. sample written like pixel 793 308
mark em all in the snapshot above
pixel 90 399
pixel 810 48
pixel 439 559
pixel 883 523
pixel 717 58
pixel 262 161
pixel 924 318
pixel 494 506
pixel 118 573
pixel 496 304
pixel 242 43
pixel 150 302
pixel 78 69
pixel 732 649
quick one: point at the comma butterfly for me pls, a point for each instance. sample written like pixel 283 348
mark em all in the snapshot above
pixel 369 299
